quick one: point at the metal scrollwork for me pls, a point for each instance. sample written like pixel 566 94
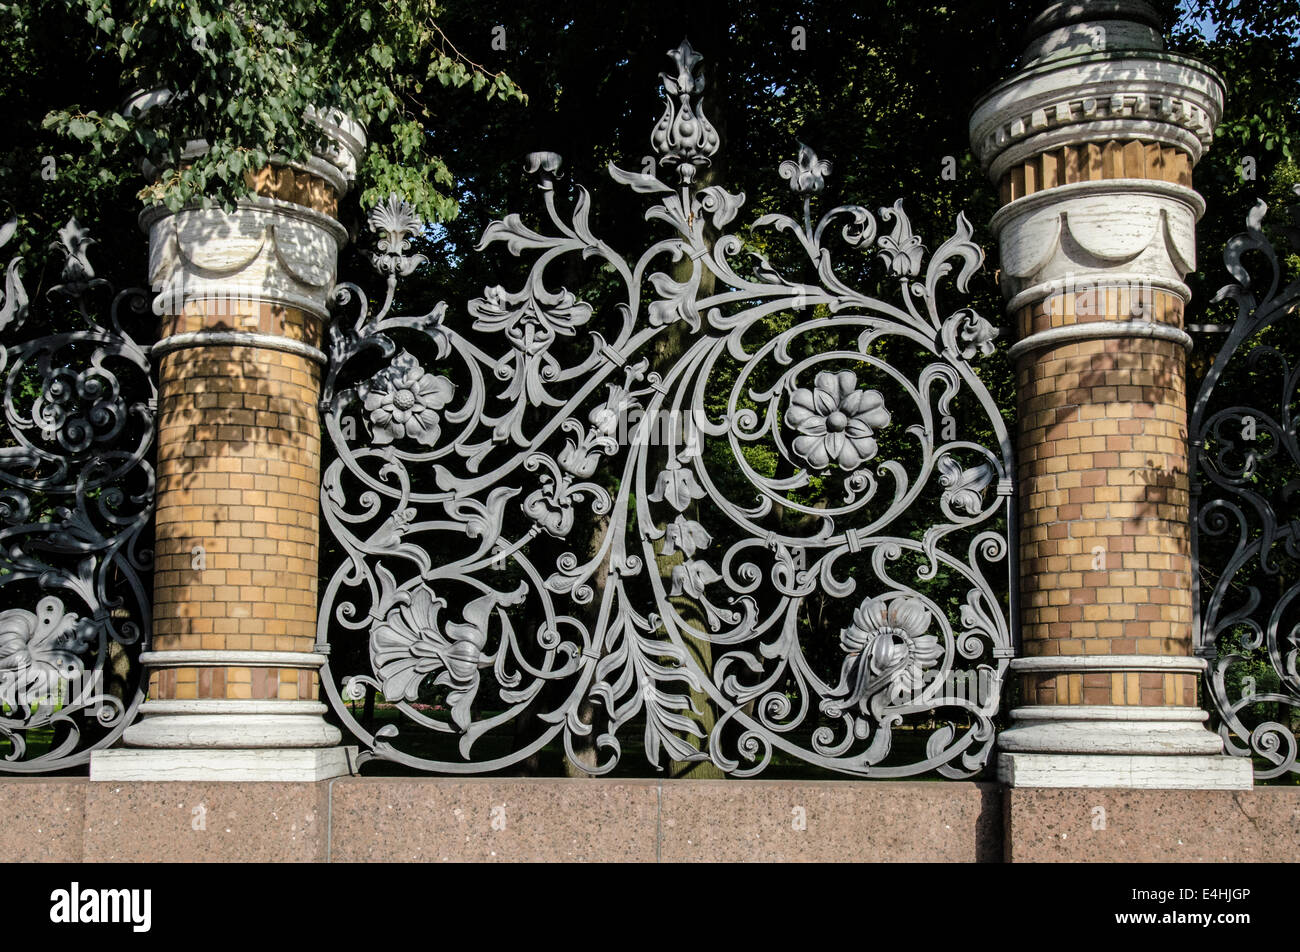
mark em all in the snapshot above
pixel 76 494
pixel 1246 510
pixel 759 513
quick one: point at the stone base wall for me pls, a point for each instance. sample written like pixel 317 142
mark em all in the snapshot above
pixel 354 819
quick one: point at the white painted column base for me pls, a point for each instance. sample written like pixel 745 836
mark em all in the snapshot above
pixel 1132 772
pixel 1152 748
pixel 231 724
pixel 1106 729
pixel 285 766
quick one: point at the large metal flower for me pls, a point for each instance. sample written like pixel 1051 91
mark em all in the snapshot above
pixel 403 400
pixel 410 644
pixel 38 650
pixel 888 652
pixel 836 420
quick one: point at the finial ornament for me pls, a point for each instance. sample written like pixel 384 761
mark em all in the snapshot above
pixel 684 137
pixel 806 175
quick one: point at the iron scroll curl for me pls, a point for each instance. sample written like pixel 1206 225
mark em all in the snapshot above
pixel 1245 527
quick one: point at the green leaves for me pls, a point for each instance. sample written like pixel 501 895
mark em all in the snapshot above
pixel 243 75
pixel 386 171
pixel 81 128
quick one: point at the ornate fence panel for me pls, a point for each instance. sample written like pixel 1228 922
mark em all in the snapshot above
pixel 76 496
pixel 759 513
pixel 1246 508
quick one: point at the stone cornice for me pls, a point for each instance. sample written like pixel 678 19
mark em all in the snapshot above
pixel 1123 94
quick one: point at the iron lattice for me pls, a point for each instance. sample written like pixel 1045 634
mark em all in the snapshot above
pixel 1246 527
pixel 76 496
pixel 810 557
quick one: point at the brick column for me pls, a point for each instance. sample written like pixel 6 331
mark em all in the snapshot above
pixel 1092 143
pixel 243 296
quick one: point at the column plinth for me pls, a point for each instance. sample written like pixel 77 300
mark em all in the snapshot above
pixel 1092 144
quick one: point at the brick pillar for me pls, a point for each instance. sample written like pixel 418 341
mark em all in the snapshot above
pixel 1092 143
pixel 243 296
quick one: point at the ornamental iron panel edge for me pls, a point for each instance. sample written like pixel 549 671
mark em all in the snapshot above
pixel 1246 507
pixel 76 498
pixel 808 562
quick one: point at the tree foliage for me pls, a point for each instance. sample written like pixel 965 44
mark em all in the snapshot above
pixel 240 76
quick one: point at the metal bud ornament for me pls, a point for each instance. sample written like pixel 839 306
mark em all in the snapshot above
pixel 684 137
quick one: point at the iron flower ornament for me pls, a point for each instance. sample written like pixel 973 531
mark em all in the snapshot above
pixel 412 644
pixel 39 649
pixel 808 174
pixel 836 421
pixel 888 651
pixel 402 402
pixel 546 165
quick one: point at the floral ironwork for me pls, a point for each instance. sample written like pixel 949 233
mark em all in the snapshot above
pixel 835 421
pixel 76 494
pixel 1245 493
pixel 578 536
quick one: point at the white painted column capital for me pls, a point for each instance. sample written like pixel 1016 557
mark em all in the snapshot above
pixel 266 250
pixel 275 252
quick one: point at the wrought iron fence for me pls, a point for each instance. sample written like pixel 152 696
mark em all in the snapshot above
pixel 751 510
pixel 1246 507
pixel 76 498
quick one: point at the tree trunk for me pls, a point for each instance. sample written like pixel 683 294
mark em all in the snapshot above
pixel 668 348
pixel 584 748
